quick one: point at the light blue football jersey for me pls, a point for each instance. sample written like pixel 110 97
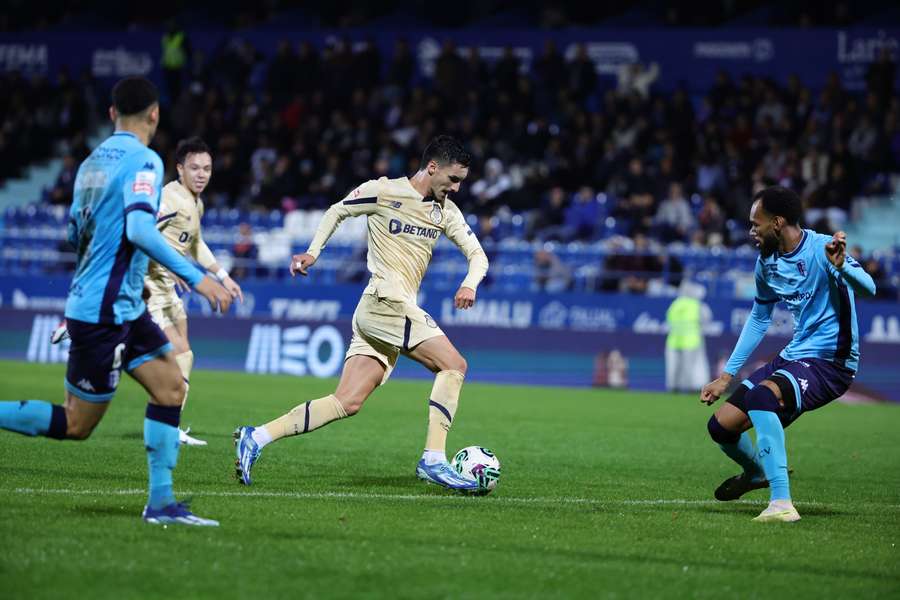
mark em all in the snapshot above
pixel 120 175
pixel 821 301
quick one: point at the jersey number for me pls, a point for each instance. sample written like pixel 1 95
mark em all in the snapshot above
pixel 183 237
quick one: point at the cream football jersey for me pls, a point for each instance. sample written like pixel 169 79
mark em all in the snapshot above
pixel 403 228
pixel 178 221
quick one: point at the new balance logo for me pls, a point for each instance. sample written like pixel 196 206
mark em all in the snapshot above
pixel 803 385
pixel 295 350
pixel 39 347
pixel 148 165
pixel 86 385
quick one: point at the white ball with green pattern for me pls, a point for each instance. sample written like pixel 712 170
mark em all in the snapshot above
pixel 480 464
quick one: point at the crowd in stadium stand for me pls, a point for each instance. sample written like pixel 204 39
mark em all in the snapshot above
pixel 547 143
pixel 578 158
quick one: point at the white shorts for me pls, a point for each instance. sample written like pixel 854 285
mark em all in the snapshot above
pixel 383 329
pixel 166 309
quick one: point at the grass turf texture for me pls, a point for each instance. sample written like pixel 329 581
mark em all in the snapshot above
pixel 603 494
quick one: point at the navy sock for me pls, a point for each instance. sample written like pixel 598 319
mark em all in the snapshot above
pixel 34 417
pixel 161 441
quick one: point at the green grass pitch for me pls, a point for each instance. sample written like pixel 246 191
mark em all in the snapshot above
pixel 603 495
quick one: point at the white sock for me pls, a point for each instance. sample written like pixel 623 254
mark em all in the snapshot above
pixel 261 436
pixel 433 457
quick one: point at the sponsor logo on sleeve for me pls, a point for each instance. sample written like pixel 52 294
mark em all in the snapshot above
pixel 143 183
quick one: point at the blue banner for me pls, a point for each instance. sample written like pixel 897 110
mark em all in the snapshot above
pixel 301 328
pixel 686 57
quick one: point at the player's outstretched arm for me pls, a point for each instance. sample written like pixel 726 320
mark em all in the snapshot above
pixel 140 229
pixel 753 332
pixel 846 267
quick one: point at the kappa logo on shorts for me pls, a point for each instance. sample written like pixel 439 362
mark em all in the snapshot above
pixel 85 385
pixel 803 385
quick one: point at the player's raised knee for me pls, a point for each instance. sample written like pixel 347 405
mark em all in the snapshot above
pixel 765 396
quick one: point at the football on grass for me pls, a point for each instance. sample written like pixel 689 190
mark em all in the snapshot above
pixel 479 464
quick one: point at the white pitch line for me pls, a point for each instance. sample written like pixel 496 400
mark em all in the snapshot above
pixel 424 498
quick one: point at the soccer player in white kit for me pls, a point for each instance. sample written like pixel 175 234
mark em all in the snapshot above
pixel 180 211
pixel 406 217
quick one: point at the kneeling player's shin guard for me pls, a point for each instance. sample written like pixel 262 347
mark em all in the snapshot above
pixel 442 408
pixel 763 410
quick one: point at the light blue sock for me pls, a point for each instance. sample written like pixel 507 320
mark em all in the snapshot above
pixel 161 441
pixel 744 454
pixel 772 454
pixel 30 417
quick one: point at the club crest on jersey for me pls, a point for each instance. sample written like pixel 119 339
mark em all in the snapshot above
pixel 437 215
pixel 801 266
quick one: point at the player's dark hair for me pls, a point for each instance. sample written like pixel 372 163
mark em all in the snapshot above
pixel 192 145
pixel 134 95
pixel 446 150
pixel 781 202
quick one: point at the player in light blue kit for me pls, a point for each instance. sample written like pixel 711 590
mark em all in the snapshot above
pixel 818 282
pixel 113 228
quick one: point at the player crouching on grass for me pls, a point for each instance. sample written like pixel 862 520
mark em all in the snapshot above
pixel 406 217
pixel 812 274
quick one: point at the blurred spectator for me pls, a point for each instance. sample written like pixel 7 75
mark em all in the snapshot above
pixel 636 79
pixel 582 215
pixel 489 190
pixel 674 218
pixel 880 76
pixel 582 75
pixel 61 192
pixel 630 272
pixel 550 273
pixel 245 252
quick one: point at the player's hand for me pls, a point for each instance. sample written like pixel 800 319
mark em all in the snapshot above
pixel 465 298
pixel 836 249
pixel 219 298
pixel 301 262
pixel 233 288
pixel 713 390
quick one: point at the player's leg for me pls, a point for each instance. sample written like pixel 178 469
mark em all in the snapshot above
pixel 73 420
pixel 177 333
pixel 152 363
pixel 767 405
pixel 92 375
pixel 440 356
pixel 360 376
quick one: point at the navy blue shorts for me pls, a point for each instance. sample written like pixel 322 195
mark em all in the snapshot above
pixel 99 352
pixel 806 384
